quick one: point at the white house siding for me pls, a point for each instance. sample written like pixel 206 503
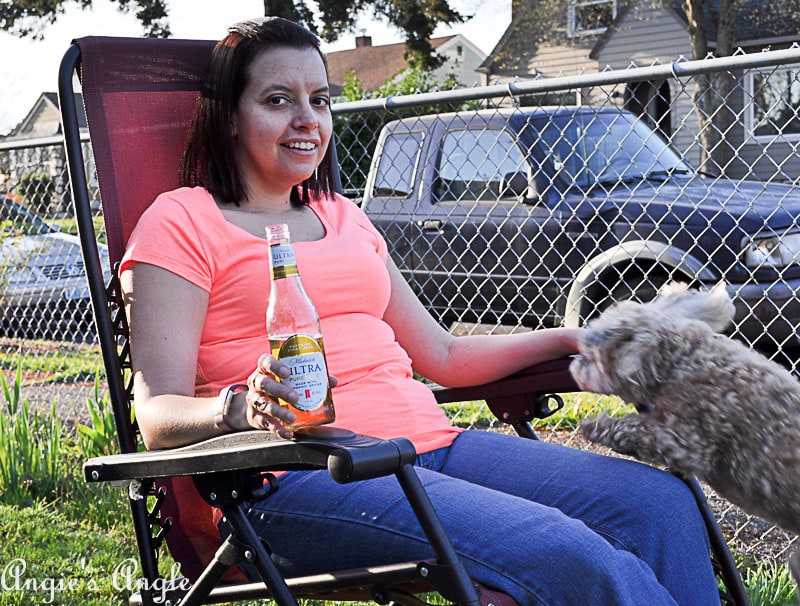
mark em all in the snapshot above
pixel 645 35
pixel 651 35
pixel 565 59
pixel 43 120
pixel 462 59
pixel 778 160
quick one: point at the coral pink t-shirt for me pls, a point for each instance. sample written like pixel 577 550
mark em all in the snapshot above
pixel 345 276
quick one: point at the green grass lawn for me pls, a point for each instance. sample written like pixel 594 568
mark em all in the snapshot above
pixel 51 556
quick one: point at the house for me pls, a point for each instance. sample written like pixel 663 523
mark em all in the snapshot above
pixel 765 133
pixel 375 65
pixel 590 35
pixel 43 119
pixel 543 42
pixel 27 159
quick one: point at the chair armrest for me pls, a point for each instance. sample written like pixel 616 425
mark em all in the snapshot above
pixel 347 456
pixel 518 397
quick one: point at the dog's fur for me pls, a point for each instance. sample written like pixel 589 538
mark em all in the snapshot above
pixel 709 406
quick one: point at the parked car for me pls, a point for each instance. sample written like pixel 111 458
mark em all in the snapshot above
pixel 43 288
pixel 544 216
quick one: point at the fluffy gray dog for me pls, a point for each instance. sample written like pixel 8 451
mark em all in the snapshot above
pixel 709 406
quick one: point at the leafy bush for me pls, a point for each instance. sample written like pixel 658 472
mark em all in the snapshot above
pixel 39 190
pixel 769 584
pixel 40 461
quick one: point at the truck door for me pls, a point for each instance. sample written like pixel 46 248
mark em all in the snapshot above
pixel 482 248
pixel 390 199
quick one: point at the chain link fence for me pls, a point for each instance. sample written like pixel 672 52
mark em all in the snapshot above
pixel 537 205
pixel 46 325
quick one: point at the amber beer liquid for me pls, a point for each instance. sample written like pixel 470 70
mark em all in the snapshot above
pixel 295 336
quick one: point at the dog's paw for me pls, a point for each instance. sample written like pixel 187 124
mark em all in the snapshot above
pixel 620 434
pixel 598 429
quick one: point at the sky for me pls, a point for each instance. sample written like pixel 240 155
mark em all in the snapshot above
pixel 29 67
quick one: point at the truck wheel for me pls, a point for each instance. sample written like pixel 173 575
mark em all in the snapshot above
pixel 632 288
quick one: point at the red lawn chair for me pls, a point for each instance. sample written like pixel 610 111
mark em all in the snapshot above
pixel 139 96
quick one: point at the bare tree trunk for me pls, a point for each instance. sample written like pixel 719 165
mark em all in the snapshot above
pixel 712 90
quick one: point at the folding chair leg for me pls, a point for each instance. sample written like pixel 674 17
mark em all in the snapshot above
pixel 449 575
pixel 242 545
pixel 734 586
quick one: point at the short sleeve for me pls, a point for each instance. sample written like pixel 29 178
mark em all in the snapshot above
pixel 168 236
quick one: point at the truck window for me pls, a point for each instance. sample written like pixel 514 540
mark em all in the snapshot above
pixel 473 165
pixel 396 166
pixel 605 148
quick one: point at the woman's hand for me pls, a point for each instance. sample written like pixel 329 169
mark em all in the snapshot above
pixel 264 390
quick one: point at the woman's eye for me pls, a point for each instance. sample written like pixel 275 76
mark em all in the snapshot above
pixel 277 100
pixel 322 101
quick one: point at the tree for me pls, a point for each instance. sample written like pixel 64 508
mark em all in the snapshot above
pixel 711 90
pixel 720 21
pixel 417 19
pixel 29 18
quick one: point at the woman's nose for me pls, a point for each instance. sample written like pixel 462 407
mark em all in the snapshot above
pixel 305 118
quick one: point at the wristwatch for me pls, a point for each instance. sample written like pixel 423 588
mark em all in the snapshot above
pixel 223 405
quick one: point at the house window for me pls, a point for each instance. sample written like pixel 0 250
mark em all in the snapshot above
pixel 590 16
pixel 774 102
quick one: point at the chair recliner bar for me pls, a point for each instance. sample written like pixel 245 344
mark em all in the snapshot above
pixel 144 90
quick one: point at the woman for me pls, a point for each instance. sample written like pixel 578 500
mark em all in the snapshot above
pixel 542 523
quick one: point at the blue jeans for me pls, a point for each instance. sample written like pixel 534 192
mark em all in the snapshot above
pixel 544 523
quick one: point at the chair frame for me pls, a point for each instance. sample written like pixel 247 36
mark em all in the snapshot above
pixel 224 467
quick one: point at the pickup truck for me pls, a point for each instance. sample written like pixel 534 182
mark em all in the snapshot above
pixel 544 216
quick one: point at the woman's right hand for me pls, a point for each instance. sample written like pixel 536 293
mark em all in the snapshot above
pixel 264 389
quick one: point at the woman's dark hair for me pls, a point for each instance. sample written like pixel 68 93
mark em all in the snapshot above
pixel 210 158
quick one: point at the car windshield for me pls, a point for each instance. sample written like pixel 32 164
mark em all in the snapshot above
pixel 590 149
pixel 16 220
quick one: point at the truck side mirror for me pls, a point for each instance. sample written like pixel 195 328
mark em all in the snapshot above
pixel 516 185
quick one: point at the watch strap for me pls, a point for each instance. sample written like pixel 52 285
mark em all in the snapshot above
pixel 223 405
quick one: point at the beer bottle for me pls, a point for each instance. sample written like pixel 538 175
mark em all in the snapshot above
pixel 295 336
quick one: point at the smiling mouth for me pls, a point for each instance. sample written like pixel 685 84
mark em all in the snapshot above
pixel 305 146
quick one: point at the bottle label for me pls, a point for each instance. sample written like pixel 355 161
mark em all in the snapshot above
pixel 309 378
pixel 283 263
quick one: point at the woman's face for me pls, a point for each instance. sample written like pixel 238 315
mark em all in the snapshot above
pixel 282 124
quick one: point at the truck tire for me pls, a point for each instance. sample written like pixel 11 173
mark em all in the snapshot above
pixel 632 287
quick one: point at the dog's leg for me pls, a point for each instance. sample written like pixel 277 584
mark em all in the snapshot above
pixel 642 436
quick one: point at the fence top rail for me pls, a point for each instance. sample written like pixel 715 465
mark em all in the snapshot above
pixel 7 144
pixel 676 69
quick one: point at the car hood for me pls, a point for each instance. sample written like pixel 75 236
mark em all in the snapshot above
pixel 749 205
pixel 56 255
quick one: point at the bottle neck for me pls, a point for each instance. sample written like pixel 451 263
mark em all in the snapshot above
pixel 282 262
